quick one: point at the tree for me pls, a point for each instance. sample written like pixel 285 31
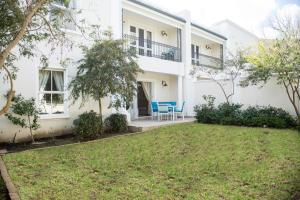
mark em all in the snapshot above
pixel 279 59
pixel 107 69
pixel 24 113
pixel 22 25
pixel 233 66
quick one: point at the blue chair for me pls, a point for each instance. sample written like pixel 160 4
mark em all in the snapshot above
pixel 172 103
pixel 180 111
pixel 154 108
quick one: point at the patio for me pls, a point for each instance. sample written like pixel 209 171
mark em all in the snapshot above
pixel 146 123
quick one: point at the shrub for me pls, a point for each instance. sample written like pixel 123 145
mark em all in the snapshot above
pixel 88 125
pixel 206 113
pixel 232 114
pixel 24 113
pixel 267 116
pixel 116 123
pixel 229 114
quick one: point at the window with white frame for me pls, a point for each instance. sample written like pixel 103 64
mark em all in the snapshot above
pixel 52 92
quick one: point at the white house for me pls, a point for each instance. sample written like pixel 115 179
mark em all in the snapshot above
pixel 167 44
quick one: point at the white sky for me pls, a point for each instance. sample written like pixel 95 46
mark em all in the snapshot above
pixel 252 15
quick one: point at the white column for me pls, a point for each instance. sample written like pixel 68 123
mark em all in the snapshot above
pixel 116 18
pixel 179 91
pixel 188 85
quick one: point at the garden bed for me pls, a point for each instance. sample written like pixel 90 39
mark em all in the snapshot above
pixel 191 161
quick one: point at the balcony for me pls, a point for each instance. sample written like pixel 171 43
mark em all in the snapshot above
pixel 207 61
pixel 150 48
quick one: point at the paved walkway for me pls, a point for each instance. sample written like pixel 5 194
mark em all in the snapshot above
pixel 147 124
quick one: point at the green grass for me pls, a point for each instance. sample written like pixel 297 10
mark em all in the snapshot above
pixel 187 161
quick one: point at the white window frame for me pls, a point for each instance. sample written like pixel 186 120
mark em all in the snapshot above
pixel 65 92
pixel 136 46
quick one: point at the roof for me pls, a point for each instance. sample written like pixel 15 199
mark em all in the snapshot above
pixel 209 31
pixel 235 25
pixel 175 17
pixel 158 10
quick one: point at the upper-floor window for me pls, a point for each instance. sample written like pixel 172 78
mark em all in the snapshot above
pixel 63 13
pixel 195 54
pixel 52 92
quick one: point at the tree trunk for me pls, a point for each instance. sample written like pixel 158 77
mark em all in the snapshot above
pixel 32 10
pixel 100 115
pixel 30 128
pixel 293 102
pixel 10 94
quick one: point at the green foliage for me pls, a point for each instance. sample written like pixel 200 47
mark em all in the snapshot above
pixel 232 114
pixel 116 123
pixel 267 116
pixel 206 113
pixel 24 113
pixel 184 161
pixel 280 60
pixel 88 125
pixel 106 70
pixel 229 114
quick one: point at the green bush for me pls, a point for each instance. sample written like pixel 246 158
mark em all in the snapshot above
pixel 232 114
pixel 116 123
pixel 229 114
pixel 267 116
pixel 206 113
pixel 88 125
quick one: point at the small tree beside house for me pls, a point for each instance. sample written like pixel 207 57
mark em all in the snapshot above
pixel 107 70
pixel 24 113
pixel 226 76
pixel 280 60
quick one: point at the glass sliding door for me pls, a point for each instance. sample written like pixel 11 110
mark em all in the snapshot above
pixel 141 42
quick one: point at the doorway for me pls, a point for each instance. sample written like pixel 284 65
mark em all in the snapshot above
pixel 144 97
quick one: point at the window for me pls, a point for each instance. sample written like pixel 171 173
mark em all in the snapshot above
pixel 52 92
pixel 195 54
pixel 64 14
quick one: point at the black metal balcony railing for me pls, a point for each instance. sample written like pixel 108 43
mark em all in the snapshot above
pixel 150 48
pixel 207 61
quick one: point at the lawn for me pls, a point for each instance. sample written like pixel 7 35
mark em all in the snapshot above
pixel 186 161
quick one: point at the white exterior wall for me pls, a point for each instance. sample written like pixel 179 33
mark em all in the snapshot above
pixel 108 14
pixel 27 83
pixel 237 36
pixel 269 95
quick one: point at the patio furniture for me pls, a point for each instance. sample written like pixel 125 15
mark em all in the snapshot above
pixel 163 110
pixel 171 105
pixel 180 111
pixel 154 109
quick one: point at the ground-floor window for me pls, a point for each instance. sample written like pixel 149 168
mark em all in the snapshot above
pixel 52 92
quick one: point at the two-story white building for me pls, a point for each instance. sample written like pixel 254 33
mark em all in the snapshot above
pixel 167 46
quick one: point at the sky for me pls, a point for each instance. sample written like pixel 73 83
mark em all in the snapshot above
pixel 253 15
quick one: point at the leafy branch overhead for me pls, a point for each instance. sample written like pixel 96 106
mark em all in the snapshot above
pixel 23 25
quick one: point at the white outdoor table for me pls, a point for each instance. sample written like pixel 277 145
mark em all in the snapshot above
pixel 170 106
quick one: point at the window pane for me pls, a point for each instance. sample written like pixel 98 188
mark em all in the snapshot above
pixel 58 106
pixel 44 80
pixel 57 81
pixel 193 51
pixel 149 39
pixel 132 29
pixel 45 104
pixel 141 37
